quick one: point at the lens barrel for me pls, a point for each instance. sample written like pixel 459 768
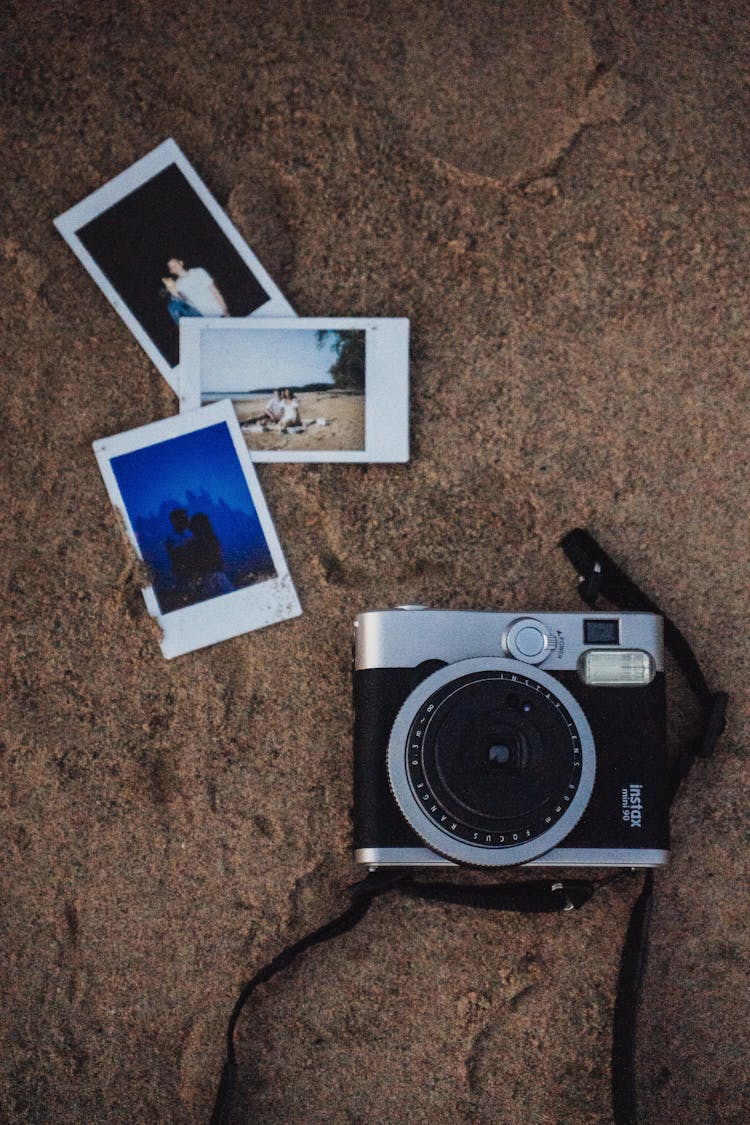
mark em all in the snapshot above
pixel 491 762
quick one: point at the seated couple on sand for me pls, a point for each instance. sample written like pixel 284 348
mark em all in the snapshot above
pixel 281 410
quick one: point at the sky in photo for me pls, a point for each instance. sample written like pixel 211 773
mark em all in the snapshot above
pixel 250 359
pixel 202 461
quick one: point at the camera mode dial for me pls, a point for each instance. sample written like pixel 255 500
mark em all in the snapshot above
pixel 529 640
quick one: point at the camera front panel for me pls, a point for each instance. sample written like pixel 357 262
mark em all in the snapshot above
pixel 629 807
pixel 378 823
pixel 625 821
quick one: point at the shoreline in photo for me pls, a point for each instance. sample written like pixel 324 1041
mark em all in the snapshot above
pixel 306 389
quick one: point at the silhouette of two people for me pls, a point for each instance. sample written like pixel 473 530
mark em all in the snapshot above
pixel 195 557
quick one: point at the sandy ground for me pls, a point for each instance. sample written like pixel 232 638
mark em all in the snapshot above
pixel 344 414
pixel 556 194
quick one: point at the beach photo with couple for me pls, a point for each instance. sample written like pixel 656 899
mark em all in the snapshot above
pixel 294 388
pixel 305 389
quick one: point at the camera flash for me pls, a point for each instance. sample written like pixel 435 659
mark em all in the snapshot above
pixel 616 667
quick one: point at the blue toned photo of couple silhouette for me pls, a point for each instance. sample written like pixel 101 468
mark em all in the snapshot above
pixel 193 517
pixel 195 558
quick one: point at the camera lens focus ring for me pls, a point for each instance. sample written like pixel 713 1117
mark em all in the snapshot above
pixel 491 762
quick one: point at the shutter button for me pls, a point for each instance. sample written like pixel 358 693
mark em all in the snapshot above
pixel 528 640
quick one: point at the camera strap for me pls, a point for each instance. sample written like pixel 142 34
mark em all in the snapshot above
pixel 599 575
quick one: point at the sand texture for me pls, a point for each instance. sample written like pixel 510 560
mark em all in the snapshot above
pixel 556 194
pixel 342 413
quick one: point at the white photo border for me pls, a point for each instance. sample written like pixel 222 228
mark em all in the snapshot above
pixel 228 615
pixel 386 381
pixel 124 184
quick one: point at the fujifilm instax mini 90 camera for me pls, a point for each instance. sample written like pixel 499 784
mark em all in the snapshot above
pixel 491 739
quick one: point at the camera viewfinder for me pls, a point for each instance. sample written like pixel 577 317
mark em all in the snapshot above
pixel 601 631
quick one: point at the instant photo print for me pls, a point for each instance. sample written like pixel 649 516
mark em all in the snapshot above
pixel 304 388
pixel 194 512
pixel 160 248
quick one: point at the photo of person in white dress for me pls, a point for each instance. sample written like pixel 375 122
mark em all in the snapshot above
pixel 196 287
pixel 162 250
pixel 274 407
pixel 290 415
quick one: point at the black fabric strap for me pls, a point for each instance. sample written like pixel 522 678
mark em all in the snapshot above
pixel 632 965
pixel 354 913
pixel 536 896
pixel 599 575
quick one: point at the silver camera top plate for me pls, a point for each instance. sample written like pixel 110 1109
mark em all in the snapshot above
pixel 404 638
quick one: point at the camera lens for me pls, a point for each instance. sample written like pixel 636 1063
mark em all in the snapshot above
pixel 490 762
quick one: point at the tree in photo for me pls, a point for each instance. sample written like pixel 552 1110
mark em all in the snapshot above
pixel 348 369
